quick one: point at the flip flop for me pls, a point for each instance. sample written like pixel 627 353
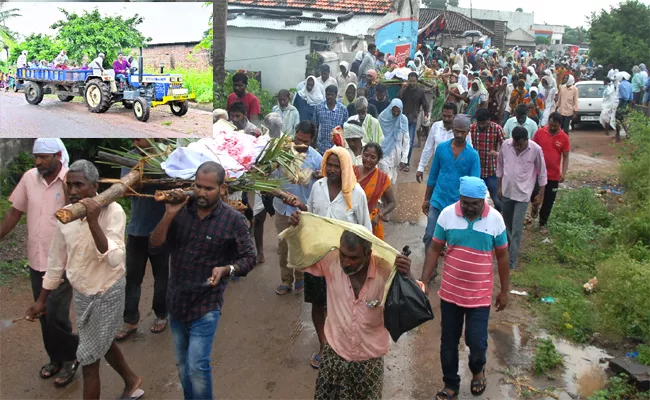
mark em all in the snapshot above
pixel 159 325
pixel 67 374
pixel 478 386
pixel 299 287
pixel 444 395
pixel 282 289
pixel 315 361
pixel 124 333
pixel 136 395
pixel 50 369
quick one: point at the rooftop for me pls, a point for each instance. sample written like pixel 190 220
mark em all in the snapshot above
pixel 301 21
pixel 343 6
pixel 456 22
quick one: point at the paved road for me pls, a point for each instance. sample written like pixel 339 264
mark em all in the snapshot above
pixel 53 118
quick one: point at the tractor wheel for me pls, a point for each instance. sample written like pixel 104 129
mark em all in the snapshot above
pixel 127 104
pixel 64 98
pixel 33 92
pixel 16 88
pixel 98 96
pixel 141 109
pixel 179 108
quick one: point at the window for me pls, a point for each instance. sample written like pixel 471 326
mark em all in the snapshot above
pixel 557 41
pixel 590 91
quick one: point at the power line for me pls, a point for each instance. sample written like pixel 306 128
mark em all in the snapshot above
pixel 274 55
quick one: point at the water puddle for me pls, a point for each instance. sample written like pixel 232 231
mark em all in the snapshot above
pixel 583 372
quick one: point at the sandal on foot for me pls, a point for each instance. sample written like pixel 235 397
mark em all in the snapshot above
pixel 478 386
pixel 282 289
pixel 445 395
pixel 138 393
pixel 315 361
pixel 67 374
pixel 49 370
pixel 159 325
pixel 299 287
pixel 124 333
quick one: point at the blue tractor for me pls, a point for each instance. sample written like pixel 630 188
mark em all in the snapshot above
pixel 100 90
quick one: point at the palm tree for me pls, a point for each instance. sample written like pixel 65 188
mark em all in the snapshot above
pixel 7 37
pixel 219 24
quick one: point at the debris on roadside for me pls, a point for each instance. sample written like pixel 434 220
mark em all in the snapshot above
pixel 590 286
pixel 518 293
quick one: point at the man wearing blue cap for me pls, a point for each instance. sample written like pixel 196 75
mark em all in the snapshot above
pixel 473 231
pixel 452 160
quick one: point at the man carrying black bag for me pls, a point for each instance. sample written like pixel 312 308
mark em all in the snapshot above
pixel 473 232
pixel 353 363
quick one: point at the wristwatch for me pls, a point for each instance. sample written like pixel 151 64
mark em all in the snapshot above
pixel 232 270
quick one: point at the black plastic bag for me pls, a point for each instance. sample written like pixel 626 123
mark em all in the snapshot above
pixel 406 306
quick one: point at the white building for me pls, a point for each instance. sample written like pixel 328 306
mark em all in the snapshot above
pixel 555 32
pixel 514 19
pixel 275 40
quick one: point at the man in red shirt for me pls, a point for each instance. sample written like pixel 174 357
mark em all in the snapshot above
pixel 555 146
pixel 252 103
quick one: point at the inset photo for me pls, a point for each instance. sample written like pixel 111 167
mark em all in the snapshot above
pixel 77 70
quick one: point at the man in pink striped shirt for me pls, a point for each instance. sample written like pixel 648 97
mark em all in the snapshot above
pixel 473 232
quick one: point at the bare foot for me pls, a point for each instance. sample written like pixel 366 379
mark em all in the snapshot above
pixel 131 388
pixel 260 258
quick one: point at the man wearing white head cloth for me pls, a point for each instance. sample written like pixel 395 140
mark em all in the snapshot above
pixel 22 60
pixel 40 193
pixel 473 232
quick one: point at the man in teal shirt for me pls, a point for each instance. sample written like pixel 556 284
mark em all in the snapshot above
pixel 520 119
pixel 452 160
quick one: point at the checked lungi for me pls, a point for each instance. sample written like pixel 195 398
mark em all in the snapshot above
pixel 99 318
pixel 339 379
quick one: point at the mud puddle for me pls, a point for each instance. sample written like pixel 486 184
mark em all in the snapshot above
pixel 582 375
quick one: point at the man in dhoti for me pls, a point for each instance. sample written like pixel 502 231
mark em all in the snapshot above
pixel 91 252
pixel 609 106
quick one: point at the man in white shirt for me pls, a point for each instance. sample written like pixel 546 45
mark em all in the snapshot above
pixel 96 64
pixel 325 78
pixel 349 204
pixel 441 131
pixel 22 60
pixel 611 72
pixel 463 79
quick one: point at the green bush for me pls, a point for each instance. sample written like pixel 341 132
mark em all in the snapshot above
pixel 644 354
pixel 618 388
pixel 622 298
pixel 579 223
pixel 11 175
pixel 221 92
pixel 547 357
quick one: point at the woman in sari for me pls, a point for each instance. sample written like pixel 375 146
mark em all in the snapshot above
pixel 477 96
pixel 440 93
pixel 455 92
pixel 377 186
pixel 310 94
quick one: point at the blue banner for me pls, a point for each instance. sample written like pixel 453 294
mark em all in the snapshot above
pixel 398 38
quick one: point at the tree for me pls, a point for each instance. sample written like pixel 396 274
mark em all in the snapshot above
pixel 220 21
pixel 90 34
pixel 7 37
pixel 575 36
pixel 440 4
pixel 620 36
pixel 539 40
pixel 41 47
pixel 519 9
pixel 208 36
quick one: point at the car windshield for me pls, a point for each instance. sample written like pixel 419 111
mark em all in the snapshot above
pixel 590 91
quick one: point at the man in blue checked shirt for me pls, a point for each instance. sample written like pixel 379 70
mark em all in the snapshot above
pixel 327 116
pixel 305 133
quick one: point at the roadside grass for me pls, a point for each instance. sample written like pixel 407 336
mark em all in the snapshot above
pixel 198 82
pixel 618 388
pixel 9 270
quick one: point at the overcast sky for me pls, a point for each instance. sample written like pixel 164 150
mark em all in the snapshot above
pixel 553 12
pixel 163 22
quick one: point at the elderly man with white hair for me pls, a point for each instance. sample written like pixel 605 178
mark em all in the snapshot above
pixel 97 64
pixel 273 124
pixel 40 193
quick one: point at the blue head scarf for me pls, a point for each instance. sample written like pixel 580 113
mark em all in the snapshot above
pixel 471 186
pixel 391 126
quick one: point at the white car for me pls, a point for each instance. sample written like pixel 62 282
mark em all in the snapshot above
pixel 590 101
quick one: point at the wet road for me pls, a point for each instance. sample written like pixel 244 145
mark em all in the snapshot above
pixel 53 118
pixel 264 341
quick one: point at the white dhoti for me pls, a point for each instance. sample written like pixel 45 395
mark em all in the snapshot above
pixel 390 165
pixel 608 117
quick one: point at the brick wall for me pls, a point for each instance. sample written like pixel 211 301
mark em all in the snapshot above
pixel 174 56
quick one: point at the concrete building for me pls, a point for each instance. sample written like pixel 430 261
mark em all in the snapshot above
pixel 514 19
pixel 521 38
pixel 554 32
pixel 274 38
pixel 175 55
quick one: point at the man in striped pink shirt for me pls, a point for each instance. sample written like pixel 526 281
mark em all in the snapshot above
pixel 473 232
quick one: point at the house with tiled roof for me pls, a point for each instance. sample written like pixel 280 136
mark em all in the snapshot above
pixel 274 37
pixel 444 27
